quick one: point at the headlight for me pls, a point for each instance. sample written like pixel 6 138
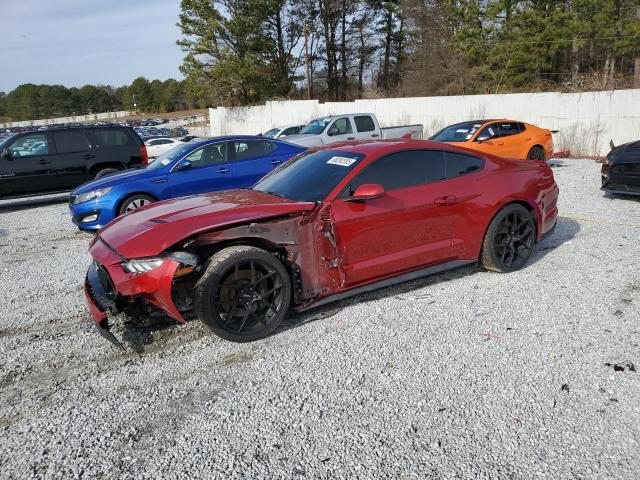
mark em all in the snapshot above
pixel 85 197
pixel 142 265
pixel 187 263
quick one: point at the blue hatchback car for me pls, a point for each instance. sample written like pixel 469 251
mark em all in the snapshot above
pixel 195 167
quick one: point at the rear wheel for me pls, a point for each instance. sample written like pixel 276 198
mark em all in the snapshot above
pixel 106 171
pixel 509 240
pixel 134 202
pixel 536 153
pixel 244 293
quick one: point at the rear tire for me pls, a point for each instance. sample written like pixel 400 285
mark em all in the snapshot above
pixel 509 240
pixel 106 171
pixel 536 153
pixel 244 293
pixel 134 202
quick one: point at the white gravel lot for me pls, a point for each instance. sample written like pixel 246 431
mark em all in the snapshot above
pixel 467 374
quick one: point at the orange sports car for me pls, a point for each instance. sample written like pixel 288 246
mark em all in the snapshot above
pixel 505 138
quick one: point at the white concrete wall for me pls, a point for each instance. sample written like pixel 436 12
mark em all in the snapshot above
pixel 75 118
pixel 586 121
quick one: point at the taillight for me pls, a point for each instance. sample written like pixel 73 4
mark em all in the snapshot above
pixel 144 158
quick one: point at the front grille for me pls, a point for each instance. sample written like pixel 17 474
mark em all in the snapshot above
pixel 105 281
pixel 100 288
pixel 626 169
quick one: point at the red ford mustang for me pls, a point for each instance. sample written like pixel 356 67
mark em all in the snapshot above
pixel 330 223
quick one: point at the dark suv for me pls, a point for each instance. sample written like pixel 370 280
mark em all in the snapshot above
pixel 63 158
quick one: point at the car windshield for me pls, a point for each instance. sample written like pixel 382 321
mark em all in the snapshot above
pixel 309 177
pixel 271 133
pixel 460 132
pixel 168 157
pixel 316 126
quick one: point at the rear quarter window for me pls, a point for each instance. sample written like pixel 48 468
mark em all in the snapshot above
pixel 111 137
pixel 364 123
pixel 459 164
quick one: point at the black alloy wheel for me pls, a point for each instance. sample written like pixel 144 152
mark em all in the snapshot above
pixel 244 293
pixel 509 240
pixel 536 153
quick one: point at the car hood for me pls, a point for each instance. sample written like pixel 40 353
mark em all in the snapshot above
pixel 118 179
pixel 150 230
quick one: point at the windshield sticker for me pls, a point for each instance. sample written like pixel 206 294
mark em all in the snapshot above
pixel 165 161
pixel 342 161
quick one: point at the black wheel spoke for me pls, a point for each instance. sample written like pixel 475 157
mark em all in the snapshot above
pixel 253 272
pixel 263 278
pixel 244 319
pixel 229 315
pixel 269 292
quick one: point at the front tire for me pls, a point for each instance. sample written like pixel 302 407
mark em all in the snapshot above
pixel 244 293
pixel 134 202
pixel 536 153
pixel 509 240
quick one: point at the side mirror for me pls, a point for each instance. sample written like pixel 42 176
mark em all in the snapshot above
pixel 367 191
pixel 184 165
pixel 6 154
pixel 332 131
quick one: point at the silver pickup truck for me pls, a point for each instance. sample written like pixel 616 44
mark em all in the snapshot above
pixel 353 126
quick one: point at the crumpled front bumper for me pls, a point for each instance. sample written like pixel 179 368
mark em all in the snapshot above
pixel 109 289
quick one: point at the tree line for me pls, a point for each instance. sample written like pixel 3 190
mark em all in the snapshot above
pixel 240 52
pixel 29 101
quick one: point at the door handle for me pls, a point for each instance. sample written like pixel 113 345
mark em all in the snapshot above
pixel 276 162
pixel 44 161
pixel 528 138
pixel 444 201
pixel 351 138
pixel 87 156
pixel 499 143
pixel 223 170
pixel 375 135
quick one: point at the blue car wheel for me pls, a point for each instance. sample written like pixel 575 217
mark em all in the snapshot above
pixel 134 202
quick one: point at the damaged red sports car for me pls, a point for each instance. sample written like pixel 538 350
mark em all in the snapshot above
pixel 329 223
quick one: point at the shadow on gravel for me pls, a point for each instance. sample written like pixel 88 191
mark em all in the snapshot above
pixel 140 334
pixel 31 202
pixel 566 230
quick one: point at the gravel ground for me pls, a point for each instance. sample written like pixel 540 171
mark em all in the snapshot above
pixel 467 374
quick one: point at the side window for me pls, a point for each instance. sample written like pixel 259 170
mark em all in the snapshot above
pixel 164 141
pixel 522 127
pixel 290 131
pixel 341 126
pixel 208 155
pixel 488 132
pixel 364 123
pixel 507 129
pixel 110 137
pixel 459 164
pixel 403 170
pixel 29 146
pixel 246 149
pixel 70 141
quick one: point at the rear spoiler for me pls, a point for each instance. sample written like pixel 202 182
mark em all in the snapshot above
pixel 611 144
pixel 554 131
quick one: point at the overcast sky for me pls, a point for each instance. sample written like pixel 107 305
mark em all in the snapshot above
pixel 75 42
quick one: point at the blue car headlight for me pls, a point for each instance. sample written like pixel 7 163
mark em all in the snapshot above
pixel 92 195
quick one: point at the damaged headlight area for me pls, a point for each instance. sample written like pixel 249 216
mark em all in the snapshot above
pixel 92 195
pixel 187 263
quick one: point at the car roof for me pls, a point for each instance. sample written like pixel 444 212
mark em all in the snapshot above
pixel 377 147
pixel 227 138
